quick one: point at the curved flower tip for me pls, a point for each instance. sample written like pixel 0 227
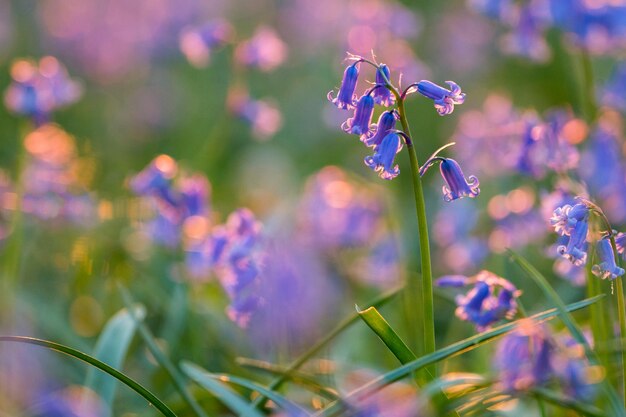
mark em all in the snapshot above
pixel 606 268
pixel 444 99
pixel 576 248
pixel 361 123
pixel 345 97
pixel 384 156
pixel 456 184
pixel 620 243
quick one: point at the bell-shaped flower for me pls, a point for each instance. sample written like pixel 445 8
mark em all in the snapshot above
pixel 456 184
pixel 606 268
pixel 384 156
pixel 361 123
pixel 346 98
pixel 382 95
pixel 576 248
pixel 386 123
pixel 444 99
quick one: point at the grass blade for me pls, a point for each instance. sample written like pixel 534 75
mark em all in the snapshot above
pixel 161 358
pixel 569 403
pixel 137 387
pixel 227 396
pixel 292 408
pixel 111 348
pixel 383 330
pixel 568 320
pixel 454 349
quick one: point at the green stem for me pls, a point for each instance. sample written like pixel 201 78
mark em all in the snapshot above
pixel 421 291
pixel 161 358
pixel 621 313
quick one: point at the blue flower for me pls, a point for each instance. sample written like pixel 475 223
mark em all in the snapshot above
pixel 345 98
pixel 606 268
pixel 386 123
pixel 456 184
pixel 383 159
pixel 382 95
pixel 493 298
pixel 444 99
pixel 576 249
pixel 565 218
pixel 361 123
pixel 524 357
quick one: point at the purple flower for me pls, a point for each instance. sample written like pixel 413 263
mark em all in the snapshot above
pixel 197 43
pixel 576 249
pixel 620 243
pixel 383 159
pixel 345 97
pixel 493 298
pixel 456 184
pixel 40 88
pixel 524 357
pixel 565 218
pixel 382 95
pixel 606 268
pixel 265 50
pixel 386 123
pixel 444 99
pixel 156 180
pixel 361 123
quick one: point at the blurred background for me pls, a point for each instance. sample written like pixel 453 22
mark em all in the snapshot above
pixel 225 101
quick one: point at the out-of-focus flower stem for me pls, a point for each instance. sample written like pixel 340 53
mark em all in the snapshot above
pixel 588 100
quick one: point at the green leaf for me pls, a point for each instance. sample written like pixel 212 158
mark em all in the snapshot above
pixel 454 349
pixel 383 330
pixel 137 387
pixel 571 325
pixel 227 396
pixel 111 348
pixel 305 380
pixel 292 408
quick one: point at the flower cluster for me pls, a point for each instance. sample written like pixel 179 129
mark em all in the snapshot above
pixel 571 223
pixel 491 299
pixel 529 357
pixel 232 251
pixel 40 88
pixel 599 27
pixel 383 137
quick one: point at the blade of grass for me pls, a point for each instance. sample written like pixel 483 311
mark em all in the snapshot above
pixel 564 402
pixel 297 363
pixel 227 396
pixel 571 325
pixel 161 358
pixel 111 348
pixel 305 380
pixel 292 408
pixel 454 349
pixel 132 384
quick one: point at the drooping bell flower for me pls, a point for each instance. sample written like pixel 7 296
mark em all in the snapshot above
pixel 382 95
pixel 386 123
pixel 361 123
pixel 383 159
pixel 456 184
pixel 444 99
pixel 565 218
pixel 606 267
pixel 346 98
pixel 576 248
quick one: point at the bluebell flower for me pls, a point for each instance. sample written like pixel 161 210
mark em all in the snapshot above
pixel 456 184
pixel 606 268
pixel 572 369
pixel 612 93
pixel 620 243
pixel 444 99
pixel 383 159
pixel 576 249
pixel 345 97
pixel 382 95
pixel 492 299
pixel 565 218
pixel 524 357
pixel 361 123
pixel 386 123
pixel 156 180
